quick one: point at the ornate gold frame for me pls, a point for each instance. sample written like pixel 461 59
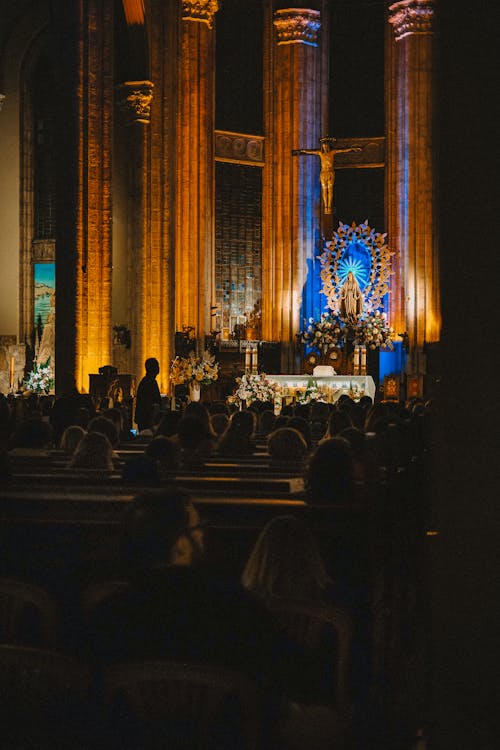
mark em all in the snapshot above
pixel 380 271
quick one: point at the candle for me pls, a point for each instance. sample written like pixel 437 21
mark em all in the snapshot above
pixel 254 360
pixel 356 360
pixel 11 372
pixel 363 360
pixel 248 358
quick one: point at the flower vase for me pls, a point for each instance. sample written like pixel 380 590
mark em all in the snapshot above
pixel 194 391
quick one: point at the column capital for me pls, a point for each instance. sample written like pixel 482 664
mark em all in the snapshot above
pixel 202 11
pixel 297 26
pixel 135 100
pixel 410 17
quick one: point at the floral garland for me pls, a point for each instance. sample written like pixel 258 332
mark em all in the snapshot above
pixel 40 379
pixel 253 387
pixel 203 370
pixel 332 331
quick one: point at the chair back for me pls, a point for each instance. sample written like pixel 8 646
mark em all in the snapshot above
pixel 28 614
pixel 304 623
pixel 190 693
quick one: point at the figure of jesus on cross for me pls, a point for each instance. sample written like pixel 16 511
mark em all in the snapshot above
pixel 326 153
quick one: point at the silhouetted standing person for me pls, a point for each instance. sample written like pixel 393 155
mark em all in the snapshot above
pixel 148 399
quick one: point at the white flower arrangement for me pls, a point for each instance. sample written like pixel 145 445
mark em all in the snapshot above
pixel 324 334
pixel 372 331
pixel 332 331
pixel 203 370
pixel 40 379
pixel 310 393
pixel 253 387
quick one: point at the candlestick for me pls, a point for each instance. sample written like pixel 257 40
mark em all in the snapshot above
pixel 248 359
pixel 11 373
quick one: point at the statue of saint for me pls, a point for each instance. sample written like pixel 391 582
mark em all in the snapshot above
pixel 351 299
pixel 326 153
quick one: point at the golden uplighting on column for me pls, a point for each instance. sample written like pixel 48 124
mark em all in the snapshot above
pixel 134 12
pixel 412 214
pixel 202 11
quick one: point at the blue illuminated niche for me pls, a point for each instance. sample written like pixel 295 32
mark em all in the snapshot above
pixel 356 258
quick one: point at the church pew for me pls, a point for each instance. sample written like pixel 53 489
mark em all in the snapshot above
pixel 55 534
pixel 199 483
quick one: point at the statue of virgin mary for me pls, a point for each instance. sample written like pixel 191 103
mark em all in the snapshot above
pixel 351 299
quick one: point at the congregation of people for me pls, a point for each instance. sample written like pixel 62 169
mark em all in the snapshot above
pixel 165 602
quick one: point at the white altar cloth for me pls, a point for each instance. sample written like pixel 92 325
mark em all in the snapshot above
pixel 333 386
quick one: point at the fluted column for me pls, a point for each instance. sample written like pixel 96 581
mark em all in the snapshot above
pixel 143 292
pixel 194 241
pixel 411 189
pixel 84 53
pixel 295 118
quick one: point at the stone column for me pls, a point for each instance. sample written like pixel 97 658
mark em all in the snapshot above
pixel 295 118
pixel 411 189
pixel 135 102
pixel 194 159
pixel 163 41
pixel 83 53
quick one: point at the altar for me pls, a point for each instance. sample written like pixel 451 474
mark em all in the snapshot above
pixel 329 387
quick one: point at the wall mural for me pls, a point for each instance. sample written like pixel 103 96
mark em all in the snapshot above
pixel 44 280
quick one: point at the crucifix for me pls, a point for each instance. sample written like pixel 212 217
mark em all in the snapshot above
pixel 326 152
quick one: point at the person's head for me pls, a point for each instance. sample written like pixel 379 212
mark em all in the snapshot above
pixel 319 410
pixel 152 367
pixel 285 561
pixel 94 451
pixel 82 417
pixel 266 421
pixel 242 423
pixel 303 426
pixel 303 410
pixel 71 437
pixel 114 415
pixel 237 438
pixel 199 410
pixel 191 432
pixel 329 474
pixel 365 402
pixel 337 421
pixel 356 439
pixel 168 423
pixel 281 420
pixel 287 445
pixel 162 527
pixel 219 422
pixel 106 427
pixel 164 452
